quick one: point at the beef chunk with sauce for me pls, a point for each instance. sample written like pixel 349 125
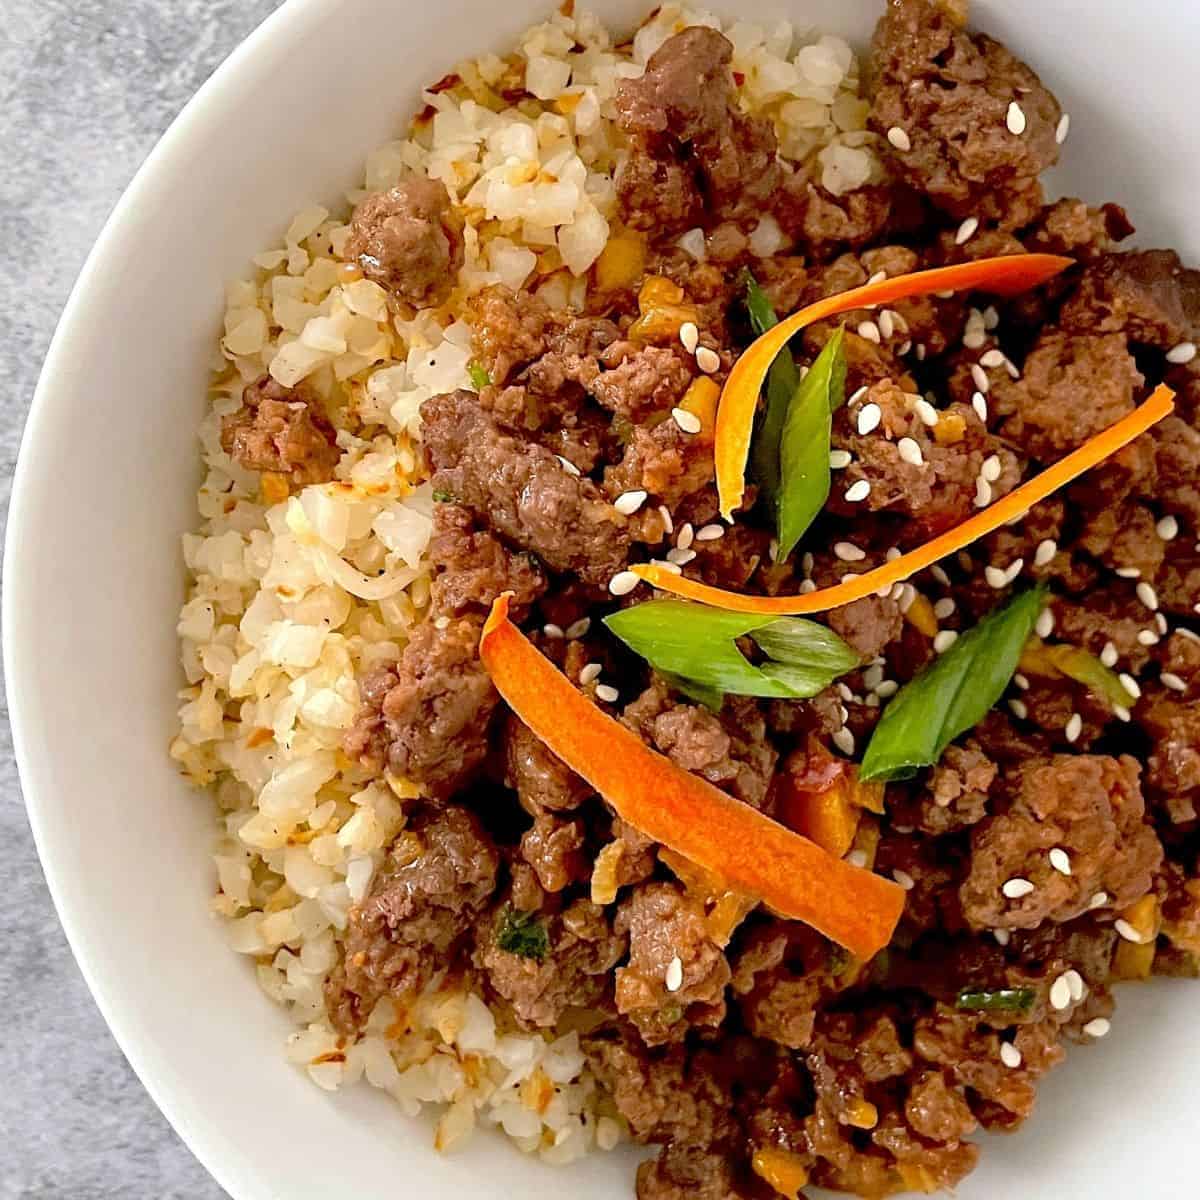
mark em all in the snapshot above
pixel 282 430
pixel 423 901
pixel 409 240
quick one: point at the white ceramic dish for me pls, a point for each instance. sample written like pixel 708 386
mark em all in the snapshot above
pixel 105 486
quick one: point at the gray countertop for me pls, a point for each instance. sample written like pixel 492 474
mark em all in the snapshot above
pixel 86 88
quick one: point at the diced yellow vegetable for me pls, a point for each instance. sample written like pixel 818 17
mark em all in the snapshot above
pixel 701 400
pixel 950 429
pixel 917 1177
pixel 274 487
pixel 621 262
pixel 730 910
pixel 1133 961
pixel 862 1114
pixel 657 291
pixel 1144 917
pixel 920 616
pixel 604 873
pixel 781 1169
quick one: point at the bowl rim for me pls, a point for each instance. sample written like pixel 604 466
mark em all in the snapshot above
pixel 287 25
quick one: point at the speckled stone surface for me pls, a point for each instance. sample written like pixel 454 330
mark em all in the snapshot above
pixel 86 88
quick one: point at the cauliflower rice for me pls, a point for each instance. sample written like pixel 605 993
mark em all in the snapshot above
pixel 291 597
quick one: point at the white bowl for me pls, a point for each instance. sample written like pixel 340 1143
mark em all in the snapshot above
pixel 105 485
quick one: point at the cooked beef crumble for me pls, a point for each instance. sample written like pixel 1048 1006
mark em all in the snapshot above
pixel 1039 836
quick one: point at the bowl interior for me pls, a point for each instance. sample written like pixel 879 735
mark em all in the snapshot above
pixel 105 487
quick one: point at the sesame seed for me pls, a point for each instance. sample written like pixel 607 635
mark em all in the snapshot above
pixel 939 573
pixel 857 858
pixel 926 411
pixel 1108 656
pixel 1160 623
pixel 667 520
pixel 553 631
pixel 1130 685
pixel 974 339
pixel 1122 713
pixel 947 294
pixel 979 404
pixel 997 577
pixel 1170 680
pixel 1020 681
pixel 859 490
pixel 1076 984
pixel 590 672
pixel 674 974
pixel 1064 127
pixel 889 687
pixel 856 396
pixel 991 468
pixel 1019 709
pixel 607 693
pixel 910 452
pixel 687 421
pixel 966 231
pixel 908 594
pixel 1191 635
pixel 1128 572
pixel 1167 528
pixel 904 879
pixel 904 347
pixel 839 459
pixel 1011 367
pixel 944 639
pixel 849 575
pixel 878 277
pixel 1015 119
pixel 1072 730
pixel 686 536
pixel 627 503
pixel 843 739
pixel 1045 623
pixel 991 318
pixel 899 139
pixel 868 418
pixel 944 608
pixel 1060 994
pixel 1098 1027
pixel 1147 637
pixel 1047 549
pixel 1099 900
pixel 993 358
pixel 679 557
pixel 843 690
pixel 1182 354
pixel 1127 931
pixel 983 492
pixel 1010 1056
pixel 578 629
pixel 622 583
pixel 807 562
pixel 710 533
pixel 1002 936
pixel 709 361
pixel 806 586
pixel 568 465
pixel 1147 595
pixel 1060 860
pixel 849 552
pixel 870 331
pixel 887 323
pixel 689 335
pixel 873 675
pixel 980 378
pixel 1016 888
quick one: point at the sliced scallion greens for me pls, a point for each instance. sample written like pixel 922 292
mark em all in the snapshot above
pixel 952 694
pixel 478 375
pixel 999 1001
pixel 782 380
pixel 698 645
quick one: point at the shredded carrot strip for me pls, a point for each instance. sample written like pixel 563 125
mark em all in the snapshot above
pixel 1007 276
pixel 1090 454
pixel 791 875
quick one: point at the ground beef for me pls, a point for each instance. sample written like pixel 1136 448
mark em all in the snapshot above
pixel 953 796
pixel 729 750
pixel 664 461
pixel 542 781
pixel 822 222
pixel 409 240
pixel 1075 229
pixel 430 713
pixel 667 926
pixel 510 329
pixel 1146 295
pixel 553 847
pixel 282 430
pixel 1174 724
pixel 1073 387
pixel 423 900
pixel 683 1172
pixel 665 1094
pixel 522 490
pixel 683 116
pixel 645 380
pixel 950 93
pixel 575 973
pixel 1089 806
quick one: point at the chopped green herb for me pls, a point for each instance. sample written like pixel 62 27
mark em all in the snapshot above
pixel 698 644
pixel 953 694
pixel 1078 664
pixel 804 447
pixel 1017 1001
pixel 479 376
pixel 782 381
pixel 522 933
pixel 441 496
